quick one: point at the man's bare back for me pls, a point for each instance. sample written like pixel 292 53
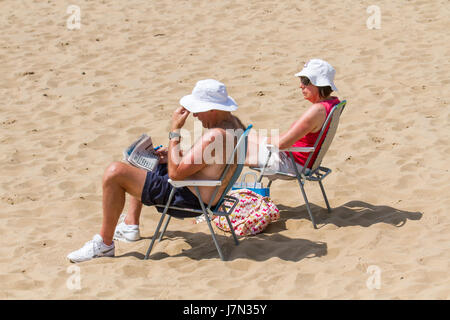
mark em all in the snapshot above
pixel 228 132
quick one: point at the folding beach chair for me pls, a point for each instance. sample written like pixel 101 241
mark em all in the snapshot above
pixel 224 206
pixel 317 172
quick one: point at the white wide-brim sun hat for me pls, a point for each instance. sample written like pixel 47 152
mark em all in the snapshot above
pixel 319 72
pixel 208 95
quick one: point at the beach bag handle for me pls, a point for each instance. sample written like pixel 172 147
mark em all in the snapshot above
pixel 252 174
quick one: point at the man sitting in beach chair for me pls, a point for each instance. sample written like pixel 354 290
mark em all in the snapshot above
pixel 210 103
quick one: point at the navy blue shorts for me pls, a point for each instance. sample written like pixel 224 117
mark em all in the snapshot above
pixel 157 190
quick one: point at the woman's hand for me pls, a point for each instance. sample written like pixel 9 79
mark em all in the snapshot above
pixel 179 116
pixel 162 153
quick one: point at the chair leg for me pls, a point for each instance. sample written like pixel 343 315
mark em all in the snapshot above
pixel 155 235
pixel 159 224
pixel 164 228
pixel 209 224
pixel 300 183
pixel 214 236
pixel 307 204
pixel 232 230
pixel 324 196
pixel 261 175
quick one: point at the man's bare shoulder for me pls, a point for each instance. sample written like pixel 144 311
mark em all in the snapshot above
pixel 214 132
pixel 230 129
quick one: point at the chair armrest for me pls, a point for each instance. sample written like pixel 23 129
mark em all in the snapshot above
pixel 272 148
pixel 299 149
pixel 198 183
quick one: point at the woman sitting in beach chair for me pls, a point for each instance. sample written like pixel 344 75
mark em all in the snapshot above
pixel 316 82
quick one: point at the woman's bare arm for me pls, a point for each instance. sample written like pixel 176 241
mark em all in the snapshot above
pixel 311 121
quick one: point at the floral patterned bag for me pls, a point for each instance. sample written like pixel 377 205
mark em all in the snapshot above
pixel 251 215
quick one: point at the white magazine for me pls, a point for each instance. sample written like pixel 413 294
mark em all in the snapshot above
pixel 141 154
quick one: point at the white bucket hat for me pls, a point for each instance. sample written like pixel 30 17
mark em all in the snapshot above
pixel 319 72
pixel 207 95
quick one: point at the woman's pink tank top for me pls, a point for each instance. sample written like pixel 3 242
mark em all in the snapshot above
pixel 309 139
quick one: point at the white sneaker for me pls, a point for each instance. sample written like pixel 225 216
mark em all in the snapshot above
pixel 127 232
pixel 94 248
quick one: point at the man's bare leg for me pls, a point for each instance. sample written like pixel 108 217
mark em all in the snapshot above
pixel 119 179
pixel 134 211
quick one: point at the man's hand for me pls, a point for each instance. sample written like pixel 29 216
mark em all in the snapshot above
pixel 162 153
pixel 179 116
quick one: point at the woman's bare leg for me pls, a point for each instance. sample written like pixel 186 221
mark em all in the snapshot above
pixel 251 158
pixel 119 179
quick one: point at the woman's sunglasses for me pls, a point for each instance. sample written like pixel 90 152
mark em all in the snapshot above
pixel 305 81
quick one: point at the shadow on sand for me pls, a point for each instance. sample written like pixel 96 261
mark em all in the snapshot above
pixel 258 248
pixel 353 213
pixel 270 243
